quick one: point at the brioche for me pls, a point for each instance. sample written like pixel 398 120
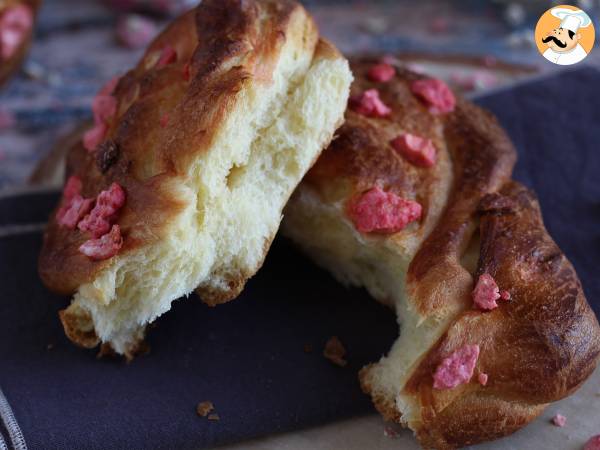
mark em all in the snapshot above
pixel 190 166
pixel 16 30
pixel 413 200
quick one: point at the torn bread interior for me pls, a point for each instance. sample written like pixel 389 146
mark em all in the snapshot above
pixel 182 179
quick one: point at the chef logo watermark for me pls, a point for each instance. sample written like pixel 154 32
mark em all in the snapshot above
pixel 565 35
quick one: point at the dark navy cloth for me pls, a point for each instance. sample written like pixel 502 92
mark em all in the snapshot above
pixel 247 356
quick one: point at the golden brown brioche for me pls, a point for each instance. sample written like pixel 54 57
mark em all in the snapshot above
pixel 501 366
pixel 16 30
pixel 210 134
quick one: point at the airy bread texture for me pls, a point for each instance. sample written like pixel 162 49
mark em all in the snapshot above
pixel 204 195
pixel 535 349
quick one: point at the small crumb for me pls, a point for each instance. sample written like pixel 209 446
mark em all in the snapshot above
pixel 334 351
pixel 389 432
pixel 482 378
pixel 308 348
pixel 49 346
pixel 204 408
pixel 559 420
pixel 213 417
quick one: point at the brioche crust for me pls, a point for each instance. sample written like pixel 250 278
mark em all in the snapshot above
pixel 10 66
pixel 179 146
pixel 536 348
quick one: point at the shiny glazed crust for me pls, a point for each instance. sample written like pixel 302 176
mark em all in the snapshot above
pixel 536 348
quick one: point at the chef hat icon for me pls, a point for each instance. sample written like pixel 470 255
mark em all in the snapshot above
pixel 571 20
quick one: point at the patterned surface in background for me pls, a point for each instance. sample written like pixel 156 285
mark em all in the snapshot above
pixel 75 52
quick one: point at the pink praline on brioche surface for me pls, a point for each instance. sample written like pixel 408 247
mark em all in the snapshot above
pixel 382 212
pixel 457 368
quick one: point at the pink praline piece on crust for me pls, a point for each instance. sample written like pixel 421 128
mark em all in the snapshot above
pixel 94 136
pixel 168 55
pixel 105 247
pixel 486 292
pixel 73 206
pixel 369 104
pixel 415 149
pixel 104 107
pixel 482 378
pixel 108 203
pixel 72 187
pixel 71 213
pixel 381 72
pixel 382 212
pixel 457 368
pixel 436 94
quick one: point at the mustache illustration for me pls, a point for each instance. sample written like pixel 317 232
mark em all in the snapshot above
pixel 556 41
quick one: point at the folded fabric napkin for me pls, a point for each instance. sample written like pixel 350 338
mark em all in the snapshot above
pixel 252 357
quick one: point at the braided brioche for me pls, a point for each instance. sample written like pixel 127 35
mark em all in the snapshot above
pixel 181 182
pixel 414 201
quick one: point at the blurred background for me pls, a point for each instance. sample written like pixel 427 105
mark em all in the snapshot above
pixel 475 45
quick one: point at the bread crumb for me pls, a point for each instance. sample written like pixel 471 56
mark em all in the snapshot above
pixel 308 348
pixel 105 351
pixel 49 346
pixel 204 408
pixel 334 351
pixel 213 417
pixel 389 432
pixel 559 420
